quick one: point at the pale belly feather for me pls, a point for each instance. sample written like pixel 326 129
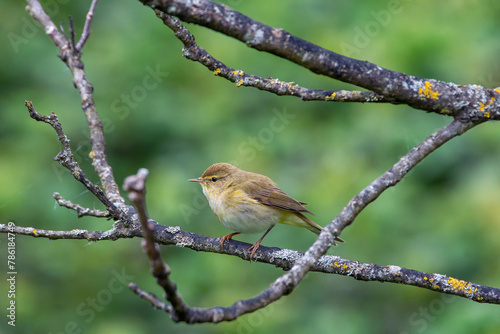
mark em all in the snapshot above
pixel 249 217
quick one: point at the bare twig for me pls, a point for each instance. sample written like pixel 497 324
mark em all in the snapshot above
pixel 74 63
pixel 193 52
pixel 397 172
pixel 86 27
pixel 80 210
pixel 135 184
pixel 150 297
pixel 469 103
pixel 66 159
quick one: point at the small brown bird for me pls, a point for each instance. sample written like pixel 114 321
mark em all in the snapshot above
pixel 247 202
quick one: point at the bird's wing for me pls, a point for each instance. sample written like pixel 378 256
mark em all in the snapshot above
pixel 270 195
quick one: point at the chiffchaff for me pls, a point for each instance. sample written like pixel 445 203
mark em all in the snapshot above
pixel 251 203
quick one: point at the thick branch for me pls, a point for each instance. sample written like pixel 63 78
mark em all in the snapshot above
pixel 471 102
pixel 281 258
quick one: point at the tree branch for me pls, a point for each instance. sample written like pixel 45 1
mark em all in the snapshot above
pixel 280 258
pixel 86 27
pixel 80 210
pixel 136 185
pixel 193 52
pixel 66 159
pixel 396 173
pixel 71 56
pixel 468 103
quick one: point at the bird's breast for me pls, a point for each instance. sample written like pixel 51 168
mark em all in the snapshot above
pixel 240 213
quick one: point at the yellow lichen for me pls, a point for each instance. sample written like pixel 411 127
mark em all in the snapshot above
pixel 92 154
pixel 497 90
pixel 239 83
pixel 217 71
pixel 428 92
pixel 483 106
pixel 336 265
pixel 330 97
pixel 458 284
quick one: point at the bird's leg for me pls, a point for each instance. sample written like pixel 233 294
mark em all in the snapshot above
pixel 227 237
pixel 257 244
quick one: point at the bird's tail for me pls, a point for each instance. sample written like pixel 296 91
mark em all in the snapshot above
pixel 308 224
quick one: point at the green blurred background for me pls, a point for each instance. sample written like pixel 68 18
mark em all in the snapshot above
pixel 443 217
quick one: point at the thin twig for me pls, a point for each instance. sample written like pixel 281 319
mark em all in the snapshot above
pixel 150 297
pixel 86 27
pixel 397 172
pixel 72 36
pixel 80 210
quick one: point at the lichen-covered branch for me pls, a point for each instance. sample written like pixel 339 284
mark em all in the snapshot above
pixel 466 102
pixel 193 52
pixel 280 258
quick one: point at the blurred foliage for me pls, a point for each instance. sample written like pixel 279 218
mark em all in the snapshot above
pixel 443 217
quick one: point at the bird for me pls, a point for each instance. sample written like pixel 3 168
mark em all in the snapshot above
pixel 247 202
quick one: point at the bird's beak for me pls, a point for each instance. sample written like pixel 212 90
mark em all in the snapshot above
pixel 199 180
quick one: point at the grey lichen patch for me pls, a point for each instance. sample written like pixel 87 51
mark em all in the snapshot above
pixel 285 254
pixel 78 232
pixel 173 229
pixel 183 243
pixel 107 235
pixel 394 270
pixel 254 36
pixel 327 260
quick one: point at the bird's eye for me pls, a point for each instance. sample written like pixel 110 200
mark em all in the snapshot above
pixel 214 179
